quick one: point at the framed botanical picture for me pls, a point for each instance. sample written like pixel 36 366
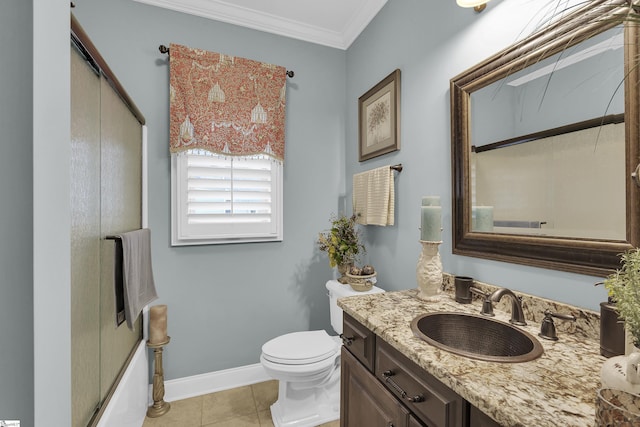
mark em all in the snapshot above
pixel 379 118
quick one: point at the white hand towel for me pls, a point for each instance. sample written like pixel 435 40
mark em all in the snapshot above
pixel 374 197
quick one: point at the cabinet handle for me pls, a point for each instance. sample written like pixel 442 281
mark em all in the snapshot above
pixel 403 394
pixel 347 340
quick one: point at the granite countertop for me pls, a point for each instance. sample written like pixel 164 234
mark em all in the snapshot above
pixel 557 389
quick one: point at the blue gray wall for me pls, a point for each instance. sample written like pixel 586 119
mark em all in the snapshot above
pixel 225 301
pixel 16 276
pixel 431 42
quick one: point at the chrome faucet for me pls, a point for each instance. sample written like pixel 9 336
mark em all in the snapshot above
pixel 517 315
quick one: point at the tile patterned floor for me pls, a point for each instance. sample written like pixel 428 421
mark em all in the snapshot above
pixel 246 406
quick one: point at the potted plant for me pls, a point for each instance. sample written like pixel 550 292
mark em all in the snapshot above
pixel 624 288
pixel 342 243
pixel 623 372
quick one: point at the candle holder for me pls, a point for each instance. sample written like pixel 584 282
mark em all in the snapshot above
pixel 429 271
pixel 159 407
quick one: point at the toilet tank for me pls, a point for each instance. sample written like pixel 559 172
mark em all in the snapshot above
pixel 338 290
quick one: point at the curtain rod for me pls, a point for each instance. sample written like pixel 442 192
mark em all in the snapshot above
pixel 397 167
pixel 163 49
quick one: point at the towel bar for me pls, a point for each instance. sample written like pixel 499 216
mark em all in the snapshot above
pixel 111 237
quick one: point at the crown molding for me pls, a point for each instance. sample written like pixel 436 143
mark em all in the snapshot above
pixel 360 21
pixel 262 21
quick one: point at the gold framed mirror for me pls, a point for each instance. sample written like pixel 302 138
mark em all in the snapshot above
pixel 489 220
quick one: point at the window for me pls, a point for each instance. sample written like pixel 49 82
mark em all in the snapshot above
pixel 225 199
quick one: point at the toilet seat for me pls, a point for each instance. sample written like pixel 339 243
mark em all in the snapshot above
pixel 300 348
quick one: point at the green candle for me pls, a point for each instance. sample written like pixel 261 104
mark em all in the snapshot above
pixel 431 224
pixel 430 200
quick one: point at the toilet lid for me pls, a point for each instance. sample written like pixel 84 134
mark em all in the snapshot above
pixel 299 348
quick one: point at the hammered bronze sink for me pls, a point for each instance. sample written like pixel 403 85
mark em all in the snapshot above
pixel 477 337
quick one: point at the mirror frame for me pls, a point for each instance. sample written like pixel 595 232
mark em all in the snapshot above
pixel 579 255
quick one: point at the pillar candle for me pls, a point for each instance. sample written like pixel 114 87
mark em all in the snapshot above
pixel 431 201
pixel 431 224
pixel 158 324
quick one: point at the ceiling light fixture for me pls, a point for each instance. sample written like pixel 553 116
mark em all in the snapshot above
pixel 477 5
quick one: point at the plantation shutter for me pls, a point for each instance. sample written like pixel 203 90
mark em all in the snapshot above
pixel 224 190
pixel 227 197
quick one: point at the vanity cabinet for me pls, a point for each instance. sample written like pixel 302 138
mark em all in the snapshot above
pixel 382 387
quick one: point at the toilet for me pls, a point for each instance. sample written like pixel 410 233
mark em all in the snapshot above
pixel 307 367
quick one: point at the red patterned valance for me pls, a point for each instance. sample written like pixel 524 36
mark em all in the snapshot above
pixel 225 104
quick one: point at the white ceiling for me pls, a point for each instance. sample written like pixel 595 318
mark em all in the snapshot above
pixel 334 23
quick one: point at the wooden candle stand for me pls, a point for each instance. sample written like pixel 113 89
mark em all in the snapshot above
pixel 159 407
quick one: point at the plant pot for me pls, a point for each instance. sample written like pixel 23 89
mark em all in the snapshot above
pixel 622 372
pixel 361 283
pixel 342 270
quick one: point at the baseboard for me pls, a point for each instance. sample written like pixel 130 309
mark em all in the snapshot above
pixel 197 385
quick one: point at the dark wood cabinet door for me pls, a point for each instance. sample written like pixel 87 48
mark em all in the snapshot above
pixel 366 402
pixel 359 340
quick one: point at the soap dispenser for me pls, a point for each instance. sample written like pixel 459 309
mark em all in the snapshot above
pixel 611 330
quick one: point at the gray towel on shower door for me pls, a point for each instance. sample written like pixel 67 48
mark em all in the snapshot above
pixel 139 287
